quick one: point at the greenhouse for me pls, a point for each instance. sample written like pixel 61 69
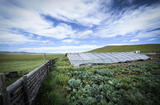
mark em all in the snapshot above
pixel 78 59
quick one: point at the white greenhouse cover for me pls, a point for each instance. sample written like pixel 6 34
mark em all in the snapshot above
pixel 78 59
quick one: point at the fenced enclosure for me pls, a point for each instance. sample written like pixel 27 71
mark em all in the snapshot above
pixel 25 89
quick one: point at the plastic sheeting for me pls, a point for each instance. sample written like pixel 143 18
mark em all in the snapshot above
pixel 78 59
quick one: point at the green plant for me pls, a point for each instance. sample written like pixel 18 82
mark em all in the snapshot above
pixel 102 85
pixel 75 84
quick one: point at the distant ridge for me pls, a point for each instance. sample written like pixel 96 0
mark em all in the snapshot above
pixel 23 53
pixel 144 48
pixel 14 53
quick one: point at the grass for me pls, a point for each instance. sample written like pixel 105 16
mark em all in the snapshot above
pixel 21 63
pixel 146 48
pixel 131 84
pixel 136 83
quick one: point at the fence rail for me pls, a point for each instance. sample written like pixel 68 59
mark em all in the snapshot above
pixel 25 89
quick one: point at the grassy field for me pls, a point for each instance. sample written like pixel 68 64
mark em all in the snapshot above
pixel 143 48
pixel 21 63
pixel 135 83
pixel 119 84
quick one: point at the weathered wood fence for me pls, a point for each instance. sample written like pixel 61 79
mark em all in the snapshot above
pixel 25 89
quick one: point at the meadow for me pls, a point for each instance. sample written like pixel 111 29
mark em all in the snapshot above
pixel 136 83
pixel 21 64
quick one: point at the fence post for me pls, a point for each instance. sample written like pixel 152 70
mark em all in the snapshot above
pixel 51 61
pixel 48 66
pixel 27 101
pixel 3 90
pixel 44 58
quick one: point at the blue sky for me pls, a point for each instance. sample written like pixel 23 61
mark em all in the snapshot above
pixel 60 26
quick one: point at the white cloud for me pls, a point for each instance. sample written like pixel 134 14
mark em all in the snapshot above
pixel 144 34
pixel 61 31
pixel 77 11
pixel 152 39
pixel 80 11
pixel 61 49
pixel 70 41
pixel 82 34
pixel 134 40
pixel 131 21
pixel 26 15
pixel 11 38
pixel 85 34
pixel 28 18
pixel 32 22
pixel 6 38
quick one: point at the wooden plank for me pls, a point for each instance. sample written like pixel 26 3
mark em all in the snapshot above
pixel 35 87
pixel 32 84
pixel 1 99
pixel 34 92
pixel 26 91
pixel 35 79
pixel 16 93
pixel 29 85
pixel 35 83
pixel 3 90
pixel 18 98
pixel 14 85
pixel 37 75
pixel 35 70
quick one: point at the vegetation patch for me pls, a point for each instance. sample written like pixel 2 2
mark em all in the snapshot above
pixel 21 64
pixel 135 84
pixel 144 48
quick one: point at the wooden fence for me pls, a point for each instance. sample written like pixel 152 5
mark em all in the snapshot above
pixel 25 89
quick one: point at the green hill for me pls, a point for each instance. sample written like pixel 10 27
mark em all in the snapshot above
pixel 145 48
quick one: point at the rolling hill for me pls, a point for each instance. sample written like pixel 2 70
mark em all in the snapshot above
pixel 144 48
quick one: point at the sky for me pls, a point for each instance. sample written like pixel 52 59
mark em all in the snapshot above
pixel 61 26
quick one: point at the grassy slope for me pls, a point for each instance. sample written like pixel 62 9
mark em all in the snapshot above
pixel 143 48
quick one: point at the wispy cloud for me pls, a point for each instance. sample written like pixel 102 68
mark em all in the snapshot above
pixel 131 22
pixel 152 39
pixel 70 41
pixel 79 11
pixel 78 22
pixel 134 40
pixel 146 34
pixel 32 22
pixel 61 49
pixel 7 38
pixel 17 39
pixel 82 34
